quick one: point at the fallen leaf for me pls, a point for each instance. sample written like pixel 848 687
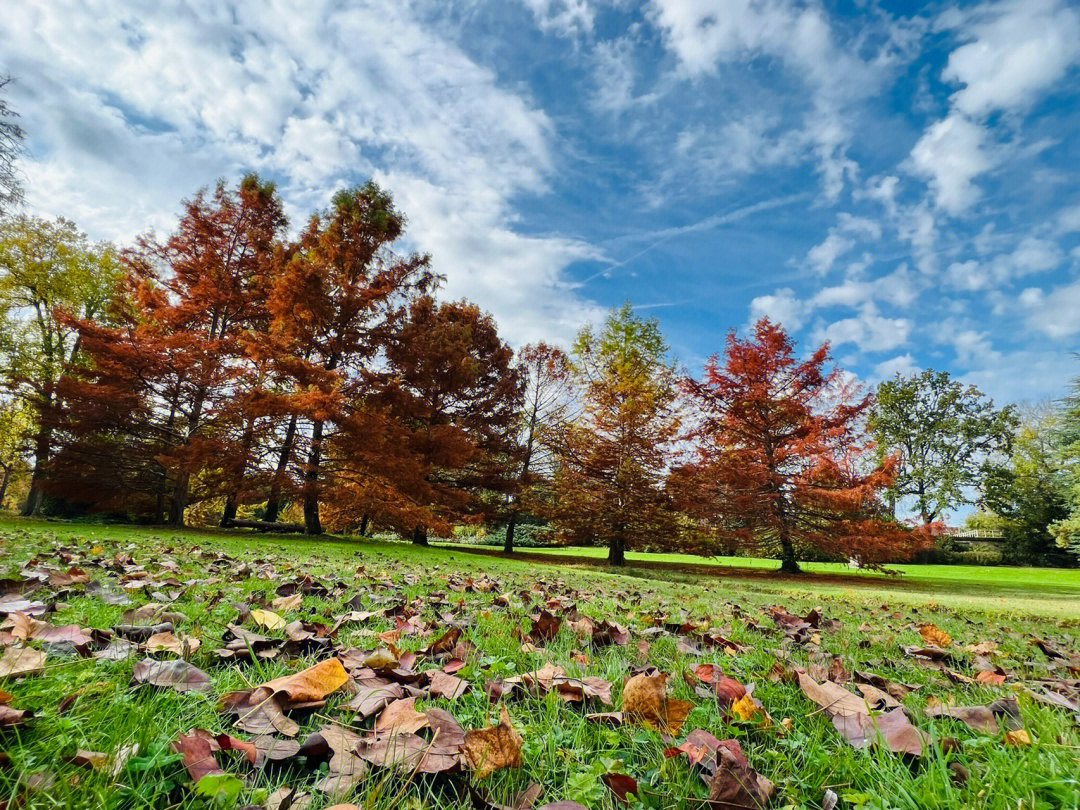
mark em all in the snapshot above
pixel 932 634
pixel 178 675
pixel 490 749
pixel 21 661
pixel 645 698
pixel 267 619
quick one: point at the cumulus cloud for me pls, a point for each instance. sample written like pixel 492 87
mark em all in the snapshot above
pixel 783 307
pixel 317 97
pixel 1012 52
pixel 869 331
pixel 951 154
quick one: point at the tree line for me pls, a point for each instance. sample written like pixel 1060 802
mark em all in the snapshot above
pixel 235 374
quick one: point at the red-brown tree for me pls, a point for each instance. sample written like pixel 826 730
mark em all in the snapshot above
pixel 612 460
pixel 153 410
pixel 453 389
pixel 335 304
pixel 784 467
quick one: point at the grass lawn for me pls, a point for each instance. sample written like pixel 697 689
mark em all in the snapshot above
pixel 207 580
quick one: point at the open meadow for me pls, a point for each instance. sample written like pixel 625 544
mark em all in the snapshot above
pixel 135 660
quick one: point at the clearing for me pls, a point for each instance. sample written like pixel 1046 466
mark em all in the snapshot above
pixel 78 731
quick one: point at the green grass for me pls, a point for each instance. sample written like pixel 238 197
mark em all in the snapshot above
pixel 563 752
pixel 1011 590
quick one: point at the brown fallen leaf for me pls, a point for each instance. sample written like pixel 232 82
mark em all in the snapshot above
pixel 734 783
pixel 197 748
pixel 401 717
pixel 622 785
pixel 1018 737
pixel 447 686
pixel 311 684
pixel 177 674
pixel 832 697
pixel 169 642
pixel 19 660
pixel 988 719
pixel 490 749
pixel 645 699
pixel 932 634
pixel 892 729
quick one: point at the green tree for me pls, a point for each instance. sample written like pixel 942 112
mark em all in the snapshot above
pixel 47 268
pixel 612 460
pixel 1066 531
pixel 15 429
pixel 945 434
pixel 11 147
pixel 1028 493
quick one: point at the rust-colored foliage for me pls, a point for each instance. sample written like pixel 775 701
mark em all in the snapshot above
pixel 613 458
pixel 149 425
pixel 782 464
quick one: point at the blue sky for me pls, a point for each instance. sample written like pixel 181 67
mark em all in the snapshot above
pixel 900 181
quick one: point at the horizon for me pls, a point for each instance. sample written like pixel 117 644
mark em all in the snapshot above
pixel 903 187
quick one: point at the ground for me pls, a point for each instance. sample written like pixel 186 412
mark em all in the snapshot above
pixel 81 702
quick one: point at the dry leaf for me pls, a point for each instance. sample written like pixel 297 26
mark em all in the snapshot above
pixel 490 749
pixel 645 698
pixel 932 634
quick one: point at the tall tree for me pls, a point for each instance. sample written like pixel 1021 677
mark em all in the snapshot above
pixel 1066 531
pixel 453 385
pixel 11 147
pixel 945 436
pixel 16 427
pixel 612 460
pixel 334 305
pixel 178 357
pixel 546 373
pixel 782 460
pixel 47 268
pixel 1028 493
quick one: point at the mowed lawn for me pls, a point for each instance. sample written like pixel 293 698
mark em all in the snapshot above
pixel 1050 592
pixel 208 580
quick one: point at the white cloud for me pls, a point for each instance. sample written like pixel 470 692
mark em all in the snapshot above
pixel 704 35
pixel 1016 49
pixel 951 154
pixel 565 17
pixel 318 97
pixel 823 256
pixel 783 307
pixel 869 331
pixel 903 364
pixel 1056 314
pixel 1013 52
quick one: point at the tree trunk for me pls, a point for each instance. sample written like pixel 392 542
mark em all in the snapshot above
pixel 788 563
pixel 311 481
pixel 364 526
pixel 4 484
pixel 228 514
pixel 178 502
pixel 511 525
pixel 41 461
pixel 617 551
pixel 419 536
pixel 273 503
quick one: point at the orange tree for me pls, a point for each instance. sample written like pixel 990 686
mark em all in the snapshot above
pixel 612 460
pixel 783 466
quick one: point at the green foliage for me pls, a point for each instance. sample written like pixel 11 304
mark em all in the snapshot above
pixel 46 266
pixel 1066 531
pixel 1028 493
pixel 946 436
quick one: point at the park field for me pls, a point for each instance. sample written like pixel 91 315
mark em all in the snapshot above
pixel 528 659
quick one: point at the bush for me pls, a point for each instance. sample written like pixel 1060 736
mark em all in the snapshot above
pixel 526 535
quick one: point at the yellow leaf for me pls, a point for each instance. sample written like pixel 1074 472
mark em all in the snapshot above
pixel 267 619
